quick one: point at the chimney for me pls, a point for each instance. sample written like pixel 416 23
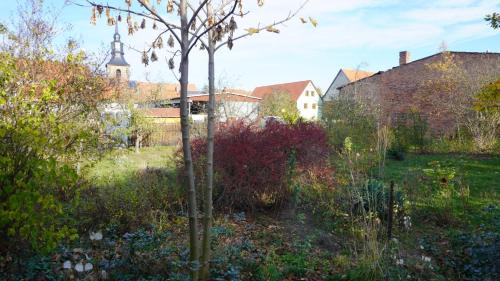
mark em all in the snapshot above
pixel 404 57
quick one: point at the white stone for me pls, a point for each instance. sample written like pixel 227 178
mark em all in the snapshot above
pixel 88 267
pixel 96 236
pixel 67 265
pixel 79 267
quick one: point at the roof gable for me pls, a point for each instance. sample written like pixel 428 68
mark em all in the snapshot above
pixel 333 82
pixel 350 75
pixel 295 89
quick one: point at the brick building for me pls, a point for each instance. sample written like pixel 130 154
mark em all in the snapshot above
pixel 413 86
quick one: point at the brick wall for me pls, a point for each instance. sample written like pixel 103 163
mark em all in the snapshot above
pixel 414 86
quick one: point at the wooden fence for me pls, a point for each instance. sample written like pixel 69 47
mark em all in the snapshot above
pixel 170 134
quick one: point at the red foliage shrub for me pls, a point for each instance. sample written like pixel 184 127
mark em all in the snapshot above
pixel 253 165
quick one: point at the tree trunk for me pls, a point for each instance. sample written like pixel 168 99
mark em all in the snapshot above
pixel 207 219
pixel 186 145
pixel 138 139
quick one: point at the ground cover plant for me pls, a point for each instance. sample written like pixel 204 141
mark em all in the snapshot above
pixel 455 211
pixel 313 237
pixel 131 191
pixel 446 215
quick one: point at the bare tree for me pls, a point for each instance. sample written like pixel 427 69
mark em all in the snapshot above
pixel 186 30
pixel 215 22
pixel 216 40
pixel 451 93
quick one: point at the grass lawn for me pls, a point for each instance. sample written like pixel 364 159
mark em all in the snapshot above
pixel 288 245
pixel 460 237
pixel 131 189
pixel 479 172
pixel 122 162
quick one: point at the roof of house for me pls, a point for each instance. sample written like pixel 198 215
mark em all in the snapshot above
pixel 194 93
pixel 295 89
pixel 235 95
pixel 167 112
pixel 396 68
pixel 356 74
pixel 227 96
pixel 146 92
pixel 352 76
pixel 158 91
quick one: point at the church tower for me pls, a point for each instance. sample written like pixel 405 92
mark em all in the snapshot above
pixel 117 67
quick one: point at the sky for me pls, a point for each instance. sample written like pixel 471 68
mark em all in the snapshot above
pixel 365 34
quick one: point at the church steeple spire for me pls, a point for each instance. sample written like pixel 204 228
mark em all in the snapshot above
pixel 117 66
pixel 117 34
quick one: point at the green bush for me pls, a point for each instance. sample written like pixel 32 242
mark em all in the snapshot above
pixel 452 143
pixel 345 117
pixel 136 199
pixel 440 193
pixel 410 134
pixel 39 151
pixel 316 191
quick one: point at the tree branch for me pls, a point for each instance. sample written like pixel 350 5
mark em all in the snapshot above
pixel 195 13
pixel 168 25
pixel 195 39
pixel 289 17
pixel 155 17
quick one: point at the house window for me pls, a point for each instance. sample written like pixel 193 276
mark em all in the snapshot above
pixel 312 93
pixel 305 105
pixel 307 93
pixel 118 74
pixel 313 106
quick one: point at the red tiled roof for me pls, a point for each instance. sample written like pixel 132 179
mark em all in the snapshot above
pixel 295 89
pixel 355 75
pixel 146 92
pixel 229 95
pixel 162 112
pixel 158 91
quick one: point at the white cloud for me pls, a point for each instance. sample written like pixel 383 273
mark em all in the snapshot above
pixel 344 26
pixel 451 12
pixel 471 32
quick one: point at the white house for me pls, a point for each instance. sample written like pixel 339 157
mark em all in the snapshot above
pixel 344 77
pixel 304 93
